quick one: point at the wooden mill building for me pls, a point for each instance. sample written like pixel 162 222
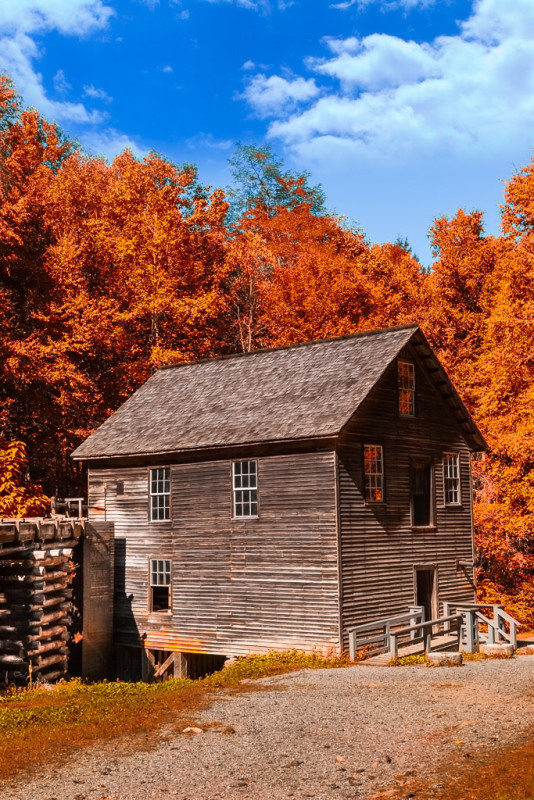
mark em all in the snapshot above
pixel 274 499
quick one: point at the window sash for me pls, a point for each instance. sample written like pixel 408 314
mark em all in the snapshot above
pixel 160 494
pixel 451 479
pixel 373 461
pixel 160 572
pixel 245 488
pixel 406 386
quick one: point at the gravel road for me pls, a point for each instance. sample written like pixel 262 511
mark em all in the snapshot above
pixel 322 734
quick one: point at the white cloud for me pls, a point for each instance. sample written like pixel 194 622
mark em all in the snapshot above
pixel 384 6
pixel 75 17
pixel 379 61
pixel 275 94
pixel 16 57
pixel 208 142
pixel 387 96
pixel 61 85
pixel 264 6
pixel 110 143
pixel 167 68
pixel 96 94
pixel 22 19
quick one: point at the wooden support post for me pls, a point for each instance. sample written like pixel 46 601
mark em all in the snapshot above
pixel 162 669
pixel 181 667
pixel 352 644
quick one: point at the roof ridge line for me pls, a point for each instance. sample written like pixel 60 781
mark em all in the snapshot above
pixel 345 336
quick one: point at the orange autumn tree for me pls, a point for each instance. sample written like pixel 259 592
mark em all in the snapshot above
pixel 31 153
pixel 505 507
pixel 311 276
pixel 17 498
pixel 136 259
pixel 479 319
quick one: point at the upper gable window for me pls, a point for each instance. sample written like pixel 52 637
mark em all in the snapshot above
pixel 245 480
pixel 160 494
pixel 451 478
pixel 406 378
pixel 373 466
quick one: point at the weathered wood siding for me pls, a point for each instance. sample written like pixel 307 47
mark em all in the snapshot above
pixel 238 586
pixel 379 548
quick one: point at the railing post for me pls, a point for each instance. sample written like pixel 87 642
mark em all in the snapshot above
pixel 500 627
pixel 393 645
pixel 458 624
pixel 415 612
pixel 352 645
pixel 428 639
pixel 513 634
pixel 495 638
pixel 470 636
pixel 446 613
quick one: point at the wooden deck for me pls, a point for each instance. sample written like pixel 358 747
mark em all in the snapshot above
pixel 444 642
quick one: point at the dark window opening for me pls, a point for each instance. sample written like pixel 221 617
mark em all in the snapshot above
pixel 160 600
pixel 160 584
pixel 425 591
pixel 421 495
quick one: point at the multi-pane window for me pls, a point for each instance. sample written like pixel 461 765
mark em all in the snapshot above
pixel 245 479
pixel 160 584
pixel 373 464
pixel 406 377
pixel 451 478
pixel 160 494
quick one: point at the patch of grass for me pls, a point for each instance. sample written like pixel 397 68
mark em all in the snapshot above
pixel 474 656
pixel 42 724
pixel 407 661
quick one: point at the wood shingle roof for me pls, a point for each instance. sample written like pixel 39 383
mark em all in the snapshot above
pixel 302 392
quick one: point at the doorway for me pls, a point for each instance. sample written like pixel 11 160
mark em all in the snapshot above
pixel 426 591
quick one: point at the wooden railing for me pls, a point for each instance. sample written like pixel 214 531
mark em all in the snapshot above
pixel 501 627
pixel 465 623
pixel 374 636
pixel 424 631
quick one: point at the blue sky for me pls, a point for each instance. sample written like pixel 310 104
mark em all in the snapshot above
pixel 403 110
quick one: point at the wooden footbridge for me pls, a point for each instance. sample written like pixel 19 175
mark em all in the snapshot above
pixel 460 628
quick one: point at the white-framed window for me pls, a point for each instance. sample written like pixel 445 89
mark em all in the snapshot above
pixel 245 487
pixel 160 494
pixel 451 479
pixel 373 467
pixel 406 384
pixel 160 584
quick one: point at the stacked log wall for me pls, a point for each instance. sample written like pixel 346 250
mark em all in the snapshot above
pixel 35 598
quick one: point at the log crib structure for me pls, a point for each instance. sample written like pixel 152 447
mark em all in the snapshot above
pixel 36 571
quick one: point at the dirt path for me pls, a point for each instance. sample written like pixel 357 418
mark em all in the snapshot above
pixel 323 734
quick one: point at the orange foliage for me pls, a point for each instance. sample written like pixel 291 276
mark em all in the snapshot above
pixel 16 499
